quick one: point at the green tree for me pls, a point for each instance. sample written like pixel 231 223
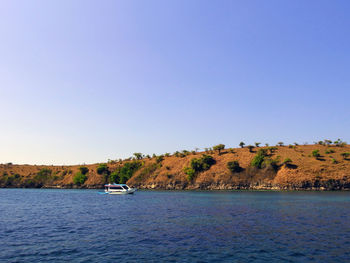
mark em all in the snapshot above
pixel 219 148
pixel 125 172
pixel 241 144
pixel 257 144
pixel 259 158
pixel 190 173
pixel 250 147
pixel 84 169
pixel 138 156
pixel 79 178
pixel 328 142
pixel 102 169
pixel 280 143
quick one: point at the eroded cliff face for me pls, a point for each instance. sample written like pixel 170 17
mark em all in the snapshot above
pixel 330 171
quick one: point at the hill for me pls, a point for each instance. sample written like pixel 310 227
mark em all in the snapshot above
pixel 297 167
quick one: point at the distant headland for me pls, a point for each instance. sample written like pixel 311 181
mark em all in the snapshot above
pixel 324 165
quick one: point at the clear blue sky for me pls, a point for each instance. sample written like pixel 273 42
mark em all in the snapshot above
pixel 86 81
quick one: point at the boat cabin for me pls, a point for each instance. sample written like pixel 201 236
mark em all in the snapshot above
pixel 118 188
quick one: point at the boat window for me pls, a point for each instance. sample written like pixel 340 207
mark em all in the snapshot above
pixel 125 187
pixel 116 187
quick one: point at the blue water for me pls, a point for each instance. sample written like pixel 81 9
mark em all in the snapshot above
pixel 173 226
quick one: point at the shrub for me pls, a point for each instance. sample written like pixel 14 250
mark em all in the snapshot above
pixel 241 144
pixel 287 161
pixel 271 149
pixel 340 143
pixel 203 163
pixel 167 154
pixel 114 177
pixel 259 158
pixel 316 153
pixel 257 144
pixel 334 161
pixel 185 152
pixel 198 165
pixel 159 158
pixel 84 169
pixel 345 155
pixel 79 178
pixel 268 162
pixel 102 169
pixel 320 142
pixel 234 167
pixel 250 147
pixel 328 151
pixel 219 147
pixel 190 173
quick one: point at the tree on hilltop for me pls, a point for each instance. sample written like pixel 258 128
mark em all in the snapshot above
pixel 219 148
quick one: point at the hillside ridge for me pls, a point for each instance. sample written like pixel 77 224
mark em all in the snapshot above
pixel 293 167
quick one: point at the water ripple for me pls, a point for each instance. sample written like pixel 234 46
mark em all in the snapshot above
pixel 177 226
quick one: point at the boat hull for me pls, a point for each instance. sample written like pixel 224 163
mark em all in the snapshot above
pixel 130 191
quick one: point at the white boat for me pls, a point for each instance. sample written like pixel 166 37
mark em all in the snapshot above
pixel 118 189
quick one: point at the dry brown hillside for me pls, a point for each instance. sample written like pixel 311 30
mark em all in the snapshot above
pixel 330 171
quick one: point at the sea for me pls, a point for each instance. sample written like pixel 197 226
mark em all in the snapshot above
pixel 56 225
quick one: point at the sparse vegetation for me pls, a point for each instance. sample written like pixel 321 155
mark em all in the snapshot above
pixel 332 160
pixel 329 151
pixel 345 155
pixel 316 153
